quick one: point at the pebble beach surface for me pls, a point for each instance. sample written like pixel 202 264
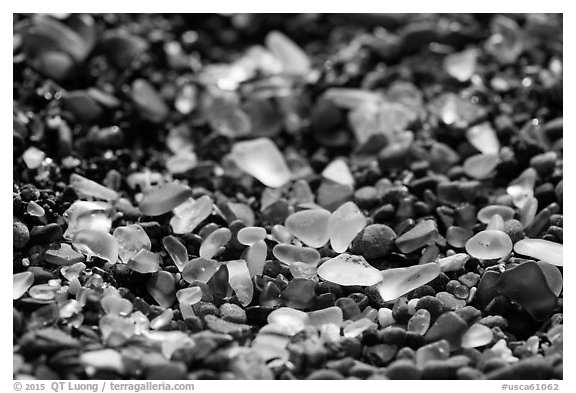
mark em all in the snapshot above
pixel 302 196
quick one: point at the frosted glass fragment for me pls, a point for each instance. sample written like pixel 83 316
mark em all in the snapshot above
pixel 348 269
pixel 289 318
pixel 262 159
pixel 289 253
pixel 176 250
pixel 461 65
pixel 385 317
pixel 481 166
pixel 489 244
pixel 73 271
pixel 343 226
pixel 33 157
pixel 63 255
pixel 310 226
pixel 189 296
pixel 35 209
pixel 293 59
pixel 250 235
pixel 162 320
pixel 199 269
pixel 330 315
pixel 399 281
pixel 21 283
pixel 419 322
pixel 528 211
pixel 103 359
pixel 88 215
pixel 162 288
pixel 303 270
pixel 255 257
pixel 161 200
pixel 89 188
pixel 96 243
pixel 521 189
pixel 145 262
pixel 43 291
pixel 182 162
pixel 116 305
pixel 240 280
pixel 424 233
pixel 131 239
pixel 541 249
pixel 486 213
pixel 453 263
pixel 483 137
pixel 218 238
pixel 189 214
pixel 476 336
pixel 338 172
pixel 356 328
pixel 458 236
pixel 439 350
pixel 281 234
pixel 496 223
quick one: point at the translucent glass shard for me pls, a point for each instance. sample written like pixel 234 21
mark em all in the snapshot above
pixel 89 188
pixel 182 162
pixel 348 269
pixel 424 233
pixel 35 209
pixel 73 271
pixel 289 253
pixel 528 211
pixel 251 235
pixel 356 328
pixel 489 244
pixel 190 296
pixel 33 157
pixel 496 223
pixel 103 359
pixel 199 269
pixel 461 65
pixel 262 159
pixel 21 283
pixel 88 215
pixel 255 257
pixel 541 249
pixel 485 214
pixel 210 246
pixel 291 319
pixel 330 315
pixel 163 199
pixel 343 226
pixel 96 243
pixel 176 250
pixel 162 288
pixel 116 305
pixel 162 320
pixel 453 263
pixel 399 281
pixel 419 322
pixel 189 214
pixel 145 262
pixel 477 336
pixel 293 59
pixel 303 270
pixel 240 281
pixel 521 189
pixel 310 226
pixel 481 166
pixel 338 172
pixel 131 239
pixel 62 254
pixel 483 137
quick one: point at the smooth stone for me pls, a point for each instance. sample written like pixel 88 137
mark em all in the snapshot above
pixel 63 255
pixel 250 235
pixel 522 188
pixel 240 280
pixel 20 234
pixel 219 325
pixel 33 157
pixel 189 296
pixel 103 360
pixel 96 243
pixel 262 159
pixel 163 199
pixel 526 285
pixel 176 250
pixel 553 276
pixel 544 250
pixel 148 101
pixel 424 233
pixel 343 226
pixel 162 288
pixel 338 172
pixel 310 226
pixel 532 368
pixel 87 187
pixel 385 317
pixel 291 319
pixel 481 166
pixel 190 213
pixel 145 262
pixel 289 254
pixel 21 283
pixel 349 270
pixel 453 263
pixel 486 213
pixel 255 257
pixel 489 244
pixel 212 243
pixel 419 322
pixel 399 281
pixel 131 239
pixel 35 209
pixel 461 65
pixel 200 269
pixel 115 305
pixel 356 328
pixel 450 327
pixel 330 315
pixel 374 241
pixel 483 137
pixel 332 195
pixel 439 350
pixel 477 336
pixel 299 293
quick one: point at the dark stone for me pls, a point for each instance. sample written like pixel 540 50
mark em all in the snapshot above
pixel 486 290
pixel 434 306
pixel 48 233
pixel 403 369
pixel 246 364
pixel 20 235
pixel 166 371
pixel 400 311
pixel 530 368
pixel 232 313
pixel 307 350
pixel 374 241
pixel 366 197
pixel 393 336
pixel 380 355
pixel 469 314
pixel 448 326
pixel 444 369
pixel 324 374
pixel 350 308
pixel 469 373
pixel 219 325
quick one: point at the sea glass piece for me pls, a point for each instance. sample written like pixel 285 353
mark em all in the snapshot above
pixel 21 283
pixel 419 322
pixel 190 213
pixel 293 59
pixel 88 215
pixel 103 359
pixel 199 269
pixel 496 223
pixel 162 287
pixel 330 315
pixel 385 317
pixel 255 257
pixel 163 199
pixel 162 320
pixel 489 244
pixel 96 243
pixel 289 253
pixel 176 250
pixel 528 211
pixel 343 226
pixel 483 137
pixel 521 189
pixel 299 293
pixel 240 281
pixel 481 166
pixel 35 209
pixel 190 296
pixel 553 276
pixel 458 236
pixel 63 255
pixel 453 263
pixel 424 233
pixel 526 284
pixel 89 188
pixel 303 270
pixel 281 234
pixel 73 271
pixel 181 162
pixel 43 291
pixel 250 235
pixel 310 226
pixel 131 239
pixel 477 336
pixel 461 65
pixel 541 249
pixel 507 40
pixel 486 213
pixel 348 269
pixel 116 305
pixel 148 101
pixel 439 350
pixel 262 159
pixel 33 157
pixel 338 172
pixel 145 262
pixel 356 328
pixel 291 319
pixel 218 238
pixel 399 281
